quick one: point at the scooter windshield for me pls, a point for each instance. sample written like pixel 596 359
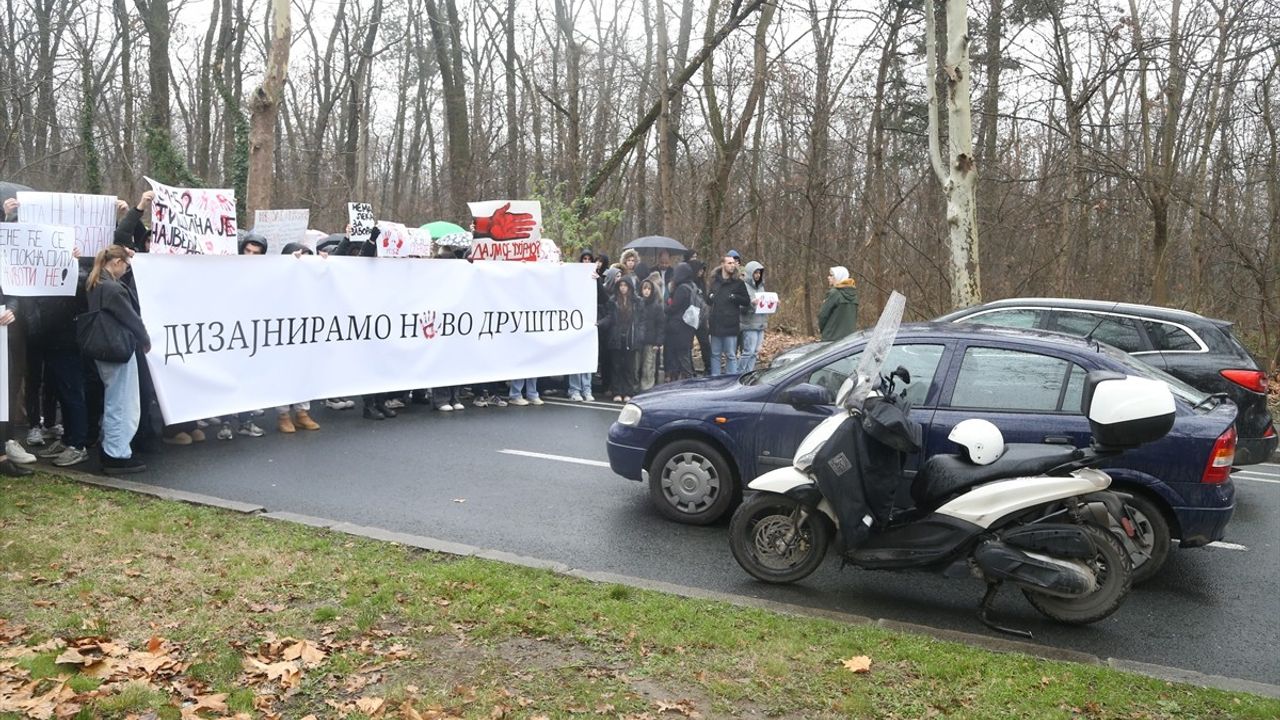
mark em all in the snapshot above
pixel 879 343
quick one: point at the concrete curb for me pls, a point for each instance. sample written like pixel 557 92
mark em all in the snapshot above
pixel 995 644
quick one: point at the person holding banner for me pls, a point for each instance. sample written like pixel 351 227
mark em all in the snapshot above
pixel 122 404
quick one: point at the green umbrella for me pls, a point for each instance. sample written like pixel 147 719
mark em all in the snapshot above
pixel 440 228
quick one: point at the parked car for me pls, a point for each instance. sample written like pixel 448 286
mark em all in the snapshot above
pixel 696 443
pixel 1198 350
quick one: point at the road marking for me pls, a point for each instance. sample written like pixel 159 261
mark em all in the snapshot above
pixel 615 409
pixel 557 458
pixel 1255 477
pixel 1227 546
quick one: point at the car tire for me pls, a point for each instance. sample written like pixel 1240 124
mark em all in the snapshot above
pixel 690 482
pixel 1152 524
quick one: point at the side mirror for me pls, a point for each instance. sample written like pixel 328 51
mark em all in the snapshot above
pixel 807 395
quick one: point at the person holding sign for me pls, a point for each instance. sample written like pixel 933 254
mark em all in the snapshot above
pixel 753 320
pixel 120 319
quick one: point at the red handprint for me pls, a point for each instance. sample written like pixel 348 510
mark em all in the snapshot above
pixel 428 322
pixel 503 225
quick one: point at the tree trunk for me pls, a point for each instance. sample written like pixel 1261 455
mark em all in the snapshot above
pixel 875 203
pixel 447 39
pixel 264 111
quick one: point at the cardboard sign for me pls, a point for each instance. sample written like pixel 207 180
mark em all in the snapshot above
pixel 36 260
pixel 396 240
pixel 507 220
pixel 766 303
pixel 92 216
pixel 281 227
pixel 192 221
pixel 360 216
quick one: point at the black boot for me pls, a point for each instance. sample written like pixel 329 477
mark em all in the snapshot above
pixel 371 412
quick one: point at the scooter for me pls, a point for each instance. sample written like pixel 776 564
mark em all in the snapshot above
pixel 1037 516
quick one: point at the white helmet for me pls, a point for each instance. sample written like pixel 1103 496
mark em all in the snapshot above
pixel 981 440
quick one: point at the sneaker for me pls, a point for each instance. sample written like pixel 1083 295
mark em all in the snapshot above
pixel 459 406
pixel 388 411
pixel 35 436
pixel 53 450
pixel 588 398
pixel 224 432
pixel 395 404
pixel 17 453
pixel 445 407
pixel 335 404
pixel 497 401
pixel 179 439
pixel 373 413
pixel 114 466
pixel 575 397
pixel 71 456
pixel 482 401
pixel 257 413
pixel 348 403
pixel 202 424
pixel 536 401
pixel 250 430
pixel 518 401
pixel 53 431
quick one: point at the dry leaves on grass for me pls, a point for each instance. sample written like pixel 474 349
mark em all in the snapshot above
pixel 682 707
pixel 859 664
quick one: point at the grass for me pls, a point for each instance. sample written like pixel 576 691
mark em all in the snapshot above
pixel 407 633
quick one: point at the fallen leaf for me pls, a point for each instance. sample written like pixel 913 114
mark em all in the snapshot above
pixel 42 603
pixel 154 644
pixel 859 664
pixel 371 706
pixel 306 651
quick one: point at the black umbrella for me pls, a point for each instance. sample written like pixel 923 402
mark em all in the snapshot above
pixel 8 190
pixel 656 242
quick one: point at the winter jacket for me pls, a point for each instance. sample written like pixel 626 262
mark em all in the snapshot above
pixel 624 332
pixel 838 315
pixel 726 300
pixel 130 232
pixel 677 331
pixel 119 301
pixel 653 323
pixel 751 320
pixel 363 249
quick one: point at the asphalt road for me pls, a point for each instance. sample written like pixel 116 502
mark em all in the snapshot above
pixel 469 477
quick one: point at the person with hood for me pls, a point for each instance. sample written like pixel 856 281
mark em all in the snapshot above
pixel 702 333
pixel 726 300
pixel 628 264
pixel 652 310
pixel 122 406
pixel 298 415
pixel 603 292
pixel 677 339
pixel 625 323
pixel 838 315
pixel 753 323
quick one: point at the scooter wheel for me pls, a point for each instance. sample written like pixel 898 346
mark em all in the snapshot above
pixel 778 540
pixel 1114 571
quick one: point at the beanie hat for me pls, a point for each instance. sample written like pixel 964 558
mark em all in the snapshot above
pixel 840 273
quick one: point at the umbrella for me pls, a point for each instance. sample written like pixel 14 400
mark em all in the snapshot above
pixel 8 189
pixel 656 242
pixel 440 228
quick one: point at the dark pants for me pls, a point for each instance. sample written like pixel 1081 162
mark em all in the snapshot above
pixel 677 358
pixel 93 400
pixel 704 344
pixel 40 406
pixel 67 378
pixel 147 391
pixel 625 372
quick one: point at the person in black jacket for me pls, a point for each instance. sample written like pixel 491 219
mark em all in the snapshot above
pixel 653 325
pixel 677 340
pixel 625 323
pixel 726 300
pixel 122 401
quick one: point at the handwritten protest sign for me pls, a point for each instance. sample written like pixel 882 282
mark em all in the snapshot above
pixel 360 215
pixel 36 260
pixel 396 240
pixel 506 230
pixel 766 303
pixel 192 221
pixel 281 227
pixel 92 216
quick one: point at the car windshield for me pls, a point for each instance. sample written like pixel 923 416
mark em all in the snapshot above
pixel 771 374
pixel 1179 388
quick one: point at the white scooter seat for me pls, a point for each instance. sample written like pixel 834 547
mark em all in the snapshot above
pixel 942 476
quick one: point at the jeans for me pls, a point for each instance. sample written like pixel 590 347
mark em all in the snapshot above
pixel 528 386
pixel 68 379
pixel 580 384
pixel 122 406
pixel 751 340
pixel 727 344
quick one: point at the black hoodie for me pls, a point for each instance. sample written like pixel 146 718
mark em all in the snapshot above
pixel 681 297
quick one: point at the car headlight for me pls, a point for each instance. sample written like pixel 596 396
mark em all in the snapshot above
pixel 630 415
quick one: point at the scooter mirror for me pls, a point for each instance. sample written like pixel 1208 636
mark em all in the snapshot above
pixel 846 387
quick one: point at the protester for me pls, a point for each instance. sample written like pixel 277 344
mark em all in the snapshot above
pixel 524 392
pixel 298 415
pixel 602 306
pixel 8 466
pixel 677 341
pixel 726 300
pixel 250 243
pixel 753 323
pixel 652 322
pixel 702 333
pixel 838 315
pixel 580 383
pixel 625 322
pixel 445 399
pixel 630 260
pixel 122 406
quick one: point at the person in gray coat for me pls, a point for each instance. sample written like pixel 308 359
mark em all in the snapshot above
pixel 752 323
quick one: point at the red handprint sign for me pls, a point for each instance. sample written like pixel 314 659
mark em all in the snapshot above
pixel 507 220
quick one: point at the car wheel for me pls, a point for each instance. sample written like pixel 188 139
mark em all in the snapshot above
pixel 690 482
pixel 1152 535
pixel 1114 572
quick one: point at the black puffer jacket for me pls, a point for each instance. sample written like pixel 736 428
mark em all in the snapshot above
pixel 625 328
pixel 727 299
pixel 681 297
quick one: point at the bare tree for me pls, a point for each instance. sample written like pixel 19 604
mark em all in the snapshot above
pixel 264 108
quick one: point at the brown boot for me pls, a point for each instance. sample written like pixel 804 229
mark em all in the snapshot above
pixel 285 423
pixel 304 421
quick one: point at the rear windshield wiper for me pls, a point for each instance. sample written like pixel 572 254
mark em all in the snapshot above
pixel 1219 396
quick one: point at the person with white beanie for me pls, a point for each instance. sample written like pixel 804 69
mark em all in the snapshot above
pixel 839 313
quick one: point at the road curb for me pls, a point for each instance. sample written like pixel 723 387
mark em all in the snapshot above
pixel 995 644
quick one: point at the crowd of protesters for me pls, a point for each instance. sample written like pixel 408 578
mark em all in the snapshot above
pixel 648 319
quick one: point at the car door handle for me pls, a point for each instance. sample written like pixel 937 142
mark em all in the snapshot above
pixel 1057 440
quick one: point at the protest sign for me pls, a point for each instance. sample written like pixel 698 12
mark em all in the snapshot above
pixel 281 227
pixel 192 221
pixel 360 216
pixel 766 303
pixel 506 230
pixel 396 240
pixel 92 216
pixel 36 260
pixel 413 323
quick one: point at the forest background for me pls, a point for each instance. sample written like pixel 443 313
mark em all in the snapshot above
pixel 1126 149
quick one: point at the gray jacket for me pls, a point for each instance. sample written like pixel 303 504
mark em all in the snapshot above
pixel 750 319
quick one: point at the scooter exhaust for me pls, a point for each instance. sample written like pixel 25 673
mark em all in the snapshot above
pixel 1052 576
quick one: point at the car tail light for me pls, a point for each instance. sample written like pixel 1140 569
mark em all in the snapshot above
pixel 1221 459
pixel 1255 380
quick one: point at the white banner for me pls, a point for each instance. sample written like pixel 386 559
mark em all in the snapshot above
pixel 354 326
pixel 92 216
pixel 36 260
pixel 281 227
pixel 192 221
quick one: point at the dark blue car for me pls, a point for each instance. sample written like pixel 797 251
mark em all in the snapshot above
pixel 697 443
